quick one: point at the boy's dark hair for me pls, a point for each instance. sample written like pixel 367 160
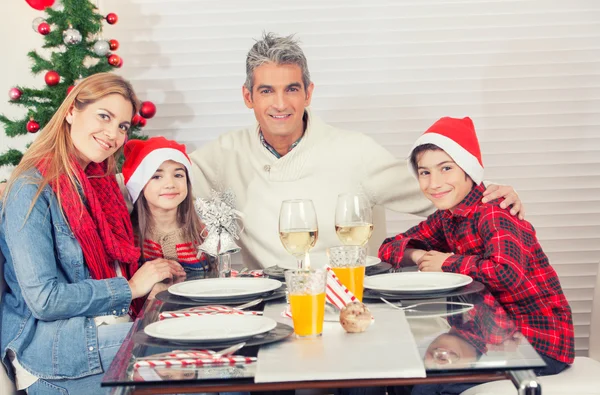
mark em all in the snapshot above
pixel 421 148
pixel 424 148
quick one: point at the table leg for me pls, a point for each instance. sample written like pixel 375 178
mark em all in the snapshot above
pixel 526 382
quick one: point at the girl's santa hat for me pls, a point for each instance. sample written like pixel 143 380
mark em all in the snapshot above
pixel 458 139
pixel 143 157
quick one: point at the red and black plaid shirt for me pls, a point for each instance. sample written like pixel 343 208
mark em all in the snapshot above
pixel 502 252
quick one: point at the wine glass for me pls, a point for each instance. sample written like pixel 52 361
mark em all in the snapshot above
pixel 353 219
pixel 298 229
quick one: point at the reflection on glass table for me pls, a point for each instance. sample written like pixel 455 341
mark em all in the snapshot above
pixel 482 338
pixel 453 341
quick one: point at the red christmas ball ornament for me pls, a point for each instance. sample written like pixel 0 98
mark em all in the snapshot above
pixel 114 44
pixel 14 94
pixel 32 126
pixel 114 60
pixel 136 119
pixel 112 18
pixel 120 63
pixel 52 78
pixel 142 122
pixel 148 109
pixel 44 28
pixel 40 5
pixel 69 89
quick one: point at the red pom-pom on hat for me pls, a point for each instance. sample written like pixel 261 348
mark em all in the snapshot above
pixel 143 157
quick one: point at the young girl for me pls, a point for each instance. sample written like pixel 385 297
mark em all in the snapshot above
pixel 157 176
pixel 71 263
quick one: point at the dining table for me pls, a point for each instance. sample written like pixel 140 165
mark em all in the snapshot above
pixel 460 336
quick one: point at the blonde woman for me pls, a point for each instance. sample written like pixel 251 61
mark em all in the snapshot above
pixel 71 263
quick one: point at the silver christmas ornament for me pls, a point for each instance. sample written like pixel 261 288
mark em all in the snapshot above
pixel 36 23
pixel 210 245
pixel 58 6
pixel 227 244
pixel 221 220
pixel 101 47
pixel 71 36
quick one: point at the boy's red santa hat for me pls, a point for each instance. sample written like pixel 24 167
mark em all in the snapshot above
pixel 458 139
pixel 143 157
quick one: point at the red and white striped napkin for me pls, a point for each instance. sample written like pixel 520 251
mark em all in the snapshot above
pixel 253 273
pixel 196 358
pixel 205 310
pixel 336 293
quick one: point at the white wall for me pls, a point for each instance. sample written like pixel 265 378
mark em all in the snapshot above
pixel 526 71
pixel 18 39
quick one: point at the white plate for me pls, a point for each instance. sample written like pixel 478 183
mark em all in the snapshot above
pixel 318 260
pixel 416 282
pixel 224 288
pixel 207 328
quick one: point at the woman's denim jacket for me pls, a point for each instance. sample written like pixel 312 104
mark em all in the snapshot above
pixel 50 303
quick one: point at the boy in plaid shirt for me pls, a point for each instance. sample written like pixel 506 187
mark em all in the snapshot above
pixel 483 241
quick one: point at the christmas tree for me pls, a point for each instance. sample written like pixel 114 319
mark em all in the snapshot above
pixel 72 32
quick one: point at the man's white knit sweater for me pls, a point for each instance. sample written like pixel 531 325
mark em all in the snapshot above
pixel 326 162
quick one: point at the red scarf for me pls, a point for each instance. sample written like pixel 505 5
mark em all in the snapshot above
pixel 101 225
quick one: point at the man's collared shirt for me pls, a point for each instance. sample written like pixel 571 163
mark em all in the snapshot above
pixel 502 252
pixel 294 144
pixel 273 150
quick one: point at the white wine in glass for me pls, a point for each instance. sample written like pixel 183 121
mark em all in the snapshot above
pixel 354 234
pixel 299 241
pixel 298 229
pixel 353 219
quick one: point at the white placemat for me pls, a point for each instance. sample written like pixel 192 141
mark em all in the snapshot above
pixel 386 349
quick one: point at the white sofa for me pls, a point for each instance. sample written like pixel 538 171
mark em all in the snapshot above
pixel 582 378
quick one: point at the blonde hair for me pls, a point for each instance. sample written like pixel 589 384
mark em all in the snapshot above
pixel 54 143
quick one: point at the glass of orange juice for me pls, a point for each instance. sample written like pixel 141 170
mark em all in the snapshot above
pixel 306 290
pixel 348 264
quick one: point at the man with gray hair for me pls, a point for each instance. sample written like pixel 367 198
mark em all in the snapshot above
pixel 292 154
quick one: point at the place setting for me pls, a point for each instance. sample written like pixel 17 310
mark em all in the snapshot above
pixel 419 285
pixel 204 341
pixel 217 315
pixel 224 291
pixel 216 326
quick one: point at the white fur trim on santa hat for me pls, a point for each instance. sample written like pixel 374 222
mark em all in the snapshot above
pixel 467 161
pixel 147 167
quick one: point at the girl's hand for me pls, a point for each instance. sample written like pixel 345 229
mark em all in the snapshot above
pixel 432 261
pixel 151 273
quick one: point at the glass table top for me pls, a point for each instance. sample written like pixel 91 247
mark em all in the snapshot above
pixel 470 334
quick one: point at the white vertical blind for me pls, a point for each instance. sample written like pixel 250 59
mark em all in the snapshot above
pixel 527 72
